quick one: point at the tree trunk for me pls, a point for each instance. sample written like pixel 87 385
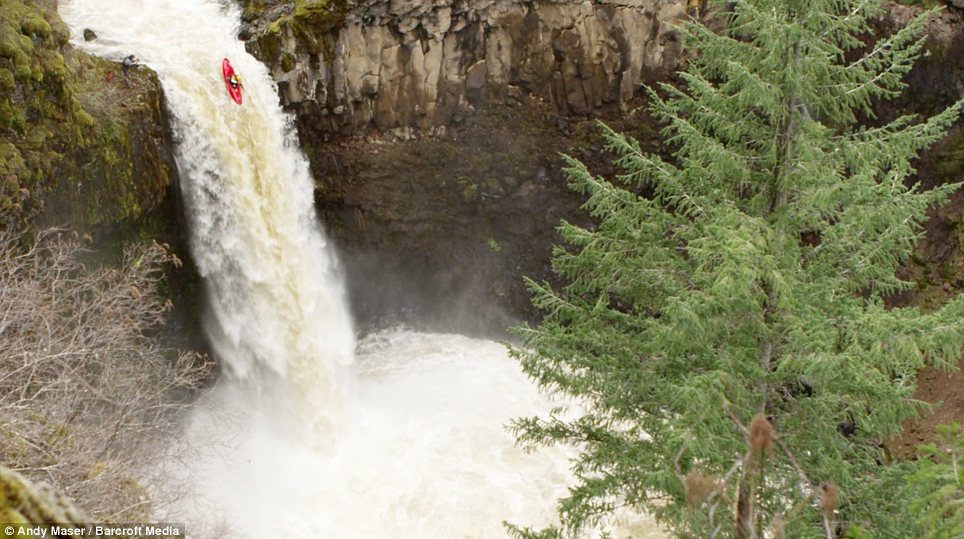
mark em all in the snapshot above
pixel 744 510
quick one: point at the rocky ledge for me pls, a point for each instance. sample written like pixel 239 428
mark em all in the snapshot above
pixel 77 144
pixel 398 64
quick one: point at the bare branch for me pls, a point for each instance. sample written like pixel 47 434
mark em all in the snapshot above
pixel 87 391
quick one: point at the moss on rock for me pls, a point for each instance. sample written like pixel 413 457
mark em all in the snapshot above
pixel 308 22
pixel 23 502
pixel 69 134
pixel 949 157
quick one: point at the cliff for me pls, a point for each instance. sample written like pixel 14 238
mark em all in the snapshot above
pixel 404 64
pixel 77 145
pixel 434 129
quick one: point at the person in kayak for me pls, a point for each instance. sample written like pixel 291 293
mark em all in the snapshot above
pixel 235 81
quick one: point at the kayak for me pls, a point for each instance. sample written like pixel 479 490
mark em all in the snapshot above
pixel 228 71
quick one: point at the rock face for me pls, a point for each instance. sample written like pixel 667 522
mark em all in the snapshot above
pixel 76 145
pixel 439 231
pixel 936 82
pixel 434 129
pixel 397 64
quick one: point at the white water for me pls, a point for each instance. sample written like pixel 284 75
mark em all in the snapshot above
pixel 276 312
pixel 422 453
pixel 298 441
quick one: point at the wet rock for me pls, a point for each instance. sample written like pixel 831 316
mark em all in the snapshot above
pixel 89 35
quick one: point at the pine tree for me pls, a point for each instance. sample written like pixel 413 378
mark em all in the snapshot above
pixel 940 476
pixel 727 336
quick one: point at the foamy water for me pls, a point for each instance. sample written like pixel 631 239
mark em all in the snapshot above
pixel 422 454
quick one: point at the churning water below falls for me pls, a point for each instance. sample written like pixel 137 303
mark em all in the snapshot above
pixel 310 434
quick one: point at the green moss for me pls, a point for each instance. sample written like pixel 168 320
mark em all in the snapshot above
pixel 73 132
pixel 53 64
pixel 23 72
pixel 6 115
pixel 33 23
pixel 36 137
pixel 37 72
pixel 950 157
pixel 11 118
pixel 9 39
pixel 7 82
pixel 12 169
pixel 287 62
pixel 309 24
pixel 23 502
pixel 305 8
pixel 21 58
pixel 84 119
pixel 25 44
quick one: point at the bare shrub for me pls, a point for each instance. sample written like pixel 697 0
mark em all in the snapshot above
pixel 88 395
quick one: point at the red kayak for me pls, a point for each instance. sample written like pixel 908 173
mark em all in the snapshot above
pixel 234 89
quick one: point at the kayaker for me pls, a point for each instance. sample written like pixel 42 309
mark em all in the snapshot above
pixel 235 81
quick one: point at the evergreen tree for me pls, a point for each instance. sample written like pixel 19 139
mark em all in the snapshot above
pixel 726 336
pixel 940 507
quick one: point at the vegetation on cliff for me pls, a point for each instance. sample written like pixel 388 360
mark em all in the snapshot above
pixel 307 22
pixel 74 145
pixel 727 337
pixel 23 502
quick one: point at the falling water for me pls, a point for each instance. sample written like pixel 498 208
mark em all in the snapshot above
pixel 275 307
pixel 298 440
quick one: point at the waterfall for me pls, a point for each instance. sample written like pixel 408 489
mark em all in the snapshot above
pixel 299 439
pixel 276 312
